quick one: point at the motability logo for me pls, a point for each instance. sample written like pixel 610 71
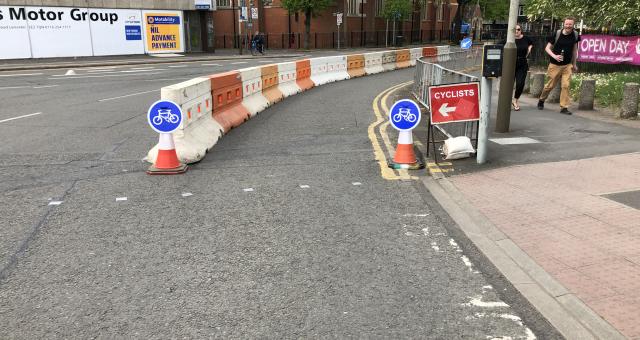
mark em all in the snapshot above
pixel 157 20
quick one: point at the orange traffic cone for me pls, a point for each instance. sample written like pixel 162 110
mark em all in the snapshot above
pixel 167 162
pixel 405 157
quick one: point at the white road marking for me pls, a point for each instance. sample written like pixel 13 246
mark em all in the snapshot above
pixel 100 67
pixel 210 65
pixel 178 66
pixel 108 70
pixel 14 87
pixel 356 183
pixel 477 301
pixel 142 71
pixel 44 86
pixel 55 202
pixel 264 61
pixel 514 140
pixel 425 231
pixel 127 95
pixel 19 117
pixel 248 189
pixel 239 62
pixel 455 245
pixel 434 246
pixel 304 186
pixel 415 215
pixel 186 194
pixel 164 79
pixel 142 68
pixel 104 76
pixel 467 262
pixel 120 199
pixel 20 74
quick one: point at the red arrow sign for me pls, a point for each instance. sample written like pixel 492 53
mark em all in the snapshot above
pixel 454 103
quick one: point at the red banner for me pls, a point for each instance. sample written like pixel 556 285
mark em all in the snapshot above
pixel 609 49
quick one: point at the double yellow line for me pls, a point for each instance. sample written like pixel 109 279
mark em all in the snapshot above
pixel 381 110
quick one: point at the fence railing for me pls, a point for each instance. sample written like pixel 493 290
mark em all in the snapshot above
pixel 329 40
pixel 442 70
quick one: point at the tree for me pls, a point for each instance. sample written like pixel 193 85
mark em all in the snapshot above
pixel 396 10
pixel 310 8
pixel 620 14
pixel 494 9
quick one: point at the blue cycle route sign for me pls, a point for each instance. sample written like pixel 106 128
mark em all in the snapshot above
pixel 404 115
pixel 466 43
pixel 164 116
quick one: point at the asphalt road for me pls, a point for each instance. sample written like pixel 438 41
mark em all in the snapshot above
pixel 285 230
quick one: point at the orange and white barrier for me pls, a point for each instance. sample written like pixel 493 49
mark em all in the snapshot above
pixel 228 110
pixel 373 62
pixel 287 79
pixel 443 53
pixel 319 73
pixel 403 58
pixel 252 100
pixel 270 81
pixel 303 75
pixel 389 60
pixel 213 105
pixel 337 68
pixel 416 53
pixel 355 65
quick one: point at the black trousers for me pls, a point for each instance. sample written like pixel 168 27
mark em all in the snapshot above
pixel 522 67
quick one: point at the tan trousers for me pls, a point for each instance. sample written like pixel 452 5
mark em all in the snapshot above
pixel 555 73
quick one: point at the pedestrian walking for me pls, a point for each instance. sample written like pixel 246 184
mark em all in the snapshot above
pixel 524 45
pixel 562 48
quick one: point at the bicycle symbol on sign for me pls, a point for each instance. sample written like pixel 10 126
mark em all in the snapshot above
pixel 406 114
pixel 164 114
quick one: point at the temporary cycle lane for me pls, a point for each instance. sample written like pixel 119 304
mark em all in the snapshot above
pixel 287 229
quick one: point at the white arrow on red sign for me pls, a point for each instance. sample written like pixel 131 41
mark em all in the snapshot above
pixel 444 109
pixel 458 102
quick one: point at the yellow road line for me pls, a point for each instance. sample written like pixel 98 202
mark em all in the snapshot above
pixel 386 172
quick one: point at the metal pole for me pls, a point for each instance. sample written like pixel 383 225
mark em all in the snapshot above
pixel 486 87
pixel 508 72
pixel 240 27
pixel 386 35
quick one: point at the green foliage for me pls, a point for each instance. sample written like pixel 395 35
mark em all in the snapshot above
pixel 494 9
pixel 307 6
pixel 397 9
pixel 609 86
pixel 622 14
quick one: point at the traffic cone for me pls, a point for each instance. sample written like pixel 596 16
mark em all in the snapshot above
pixel 167 162
pixel 405 157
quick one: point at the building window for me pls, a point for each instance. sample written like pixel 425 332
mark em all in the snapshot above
pixel 354 7
pixel 440 12
pixel 223 3
pixel 424 12
pixel 379 7
pixel 521 11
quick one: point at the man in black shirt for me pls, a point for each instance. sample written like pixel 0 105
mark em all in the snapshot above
pixel 562 48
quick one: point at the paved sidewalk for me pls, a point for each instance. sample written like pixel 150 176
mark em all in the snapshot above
pixel 571 202
pixel 560 215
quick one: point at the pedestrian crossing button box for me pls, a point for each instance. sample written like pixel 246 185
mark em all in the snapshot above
pixel 492 61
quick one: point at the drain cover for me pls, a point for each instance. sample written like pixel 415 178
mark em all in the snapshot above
pixel 630 198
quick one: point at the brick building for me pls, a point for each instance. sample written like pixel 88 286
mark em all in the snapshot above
pixel 362 23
